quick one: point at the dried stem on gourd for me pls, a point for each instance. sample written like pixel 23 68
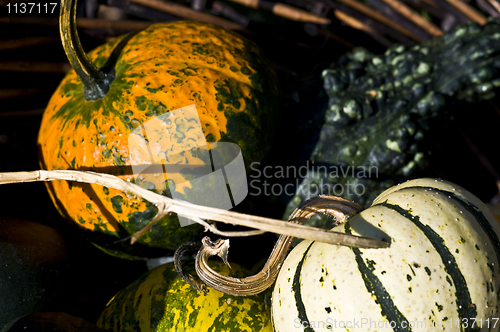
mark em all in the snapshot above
pixel 95 81
pixel 336 207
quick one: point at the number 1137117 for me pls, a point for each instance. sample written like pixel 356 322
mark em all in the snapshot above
pixel 32 8
pixel 469 323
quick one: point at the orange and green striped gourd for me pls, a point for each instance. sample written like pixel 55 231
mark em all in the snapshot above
pixel 130 80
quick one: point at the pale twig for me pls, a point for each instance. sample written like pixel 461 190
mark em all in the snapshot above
pixel 187 13
pixel 381 18
pixel 469 11
pixel 208 227
pixel 195 212
pixel 415 17
pixel 284 10
pixel 215 230
pixel 356 24
pixel 495 4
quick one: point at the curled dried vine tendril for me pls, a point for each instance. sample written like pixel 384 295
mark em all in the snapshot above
pixel 339 208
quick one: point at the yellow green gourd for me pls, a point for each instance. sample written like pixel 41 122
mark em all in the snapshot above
pixel 161 301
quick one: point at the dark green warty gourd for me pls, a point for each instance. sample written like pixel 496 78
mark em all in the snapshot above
pixel 379 108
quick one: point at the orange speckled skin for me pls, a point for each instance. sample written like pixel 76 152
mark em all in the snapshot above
pixel 160 69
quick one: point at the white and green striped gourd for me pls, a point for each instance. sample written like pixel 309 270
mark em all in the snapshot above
pixel 439 274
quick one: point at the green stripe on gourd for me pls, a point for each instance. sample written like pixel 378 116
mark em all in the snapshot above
pixel 465 307
pixel 297 290
pixel 376 288
pixel 474 210
pixel 441 267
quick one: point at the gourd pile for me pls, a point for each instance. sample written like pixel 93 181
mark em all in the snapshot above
pixel 438 255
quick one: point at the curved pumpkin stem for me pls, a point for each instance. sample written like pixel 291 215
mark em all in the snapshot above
pixel 337 207
pixel 96 82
